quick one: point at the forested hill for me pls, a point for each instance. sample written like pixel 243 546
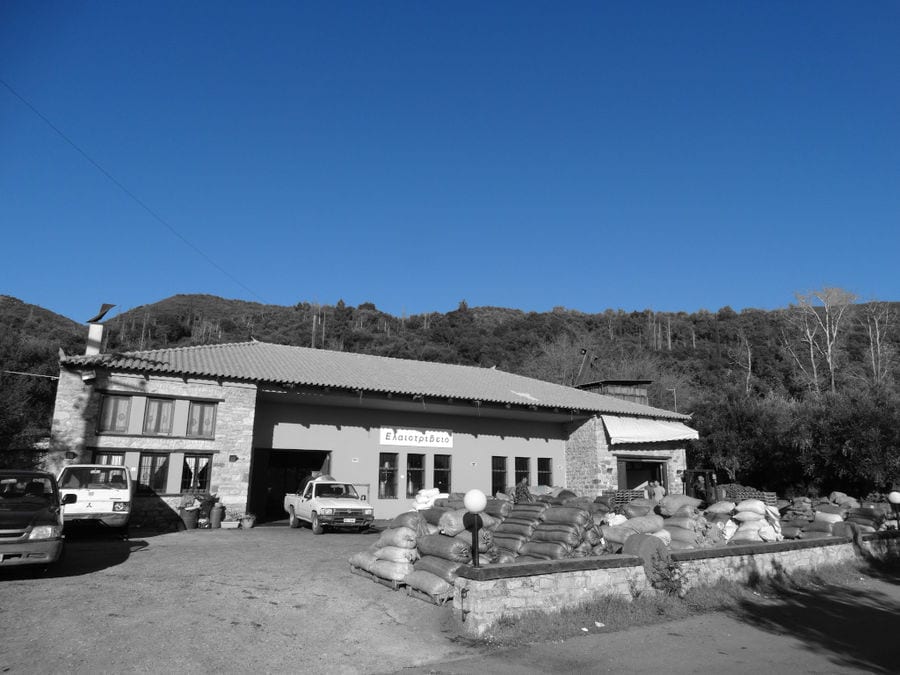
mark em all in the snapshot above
pixel 741 374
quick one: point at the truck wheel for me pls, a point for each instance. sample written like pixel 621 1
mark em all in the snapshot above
pixel 316 525
pixel 293 520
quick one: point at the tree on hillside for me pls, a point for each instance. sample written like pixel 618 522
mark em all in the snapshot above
pixel 851 440
pixel 877 321
pixel 818 319
pixel 747 437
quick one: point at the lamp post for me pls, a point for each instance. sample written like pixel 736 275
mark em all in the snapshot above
pixel 475 501
pixel 894 499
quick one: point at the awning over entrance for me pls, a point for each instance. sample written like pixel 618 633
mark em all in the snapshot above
pixel 637 430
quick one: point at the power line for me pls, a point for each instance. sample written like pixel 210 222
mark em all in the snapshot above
pixel 134 197
pixel 16 372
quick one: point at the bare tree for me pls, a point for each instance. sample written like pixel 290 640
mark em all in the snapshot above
pixel 877 320
pixel 742 357
pixel 558 361
pixel 818 316
pixel 808 363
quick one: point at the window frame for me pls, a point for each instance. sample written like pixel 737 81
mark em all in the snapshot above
pixel 546 473
pixel 522 473
pixel 436 471
pixel 413 486
pixel 117 400
pixel 106 458
pixel 156 400
pixel 387 475
pixel 154 468
pixel 499 476
pixel 189 466
pixel 200 424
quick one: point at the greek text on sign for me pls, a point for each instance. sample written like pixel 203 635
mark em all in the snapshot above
pixel 420 438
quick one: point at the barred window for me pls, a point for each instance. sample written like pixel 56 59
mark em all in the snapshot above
pixel 415 474
pixel 545 471
pixel 498 475
pixel 387 475
pixel 523 470
pixel 442 472
pixel 153 472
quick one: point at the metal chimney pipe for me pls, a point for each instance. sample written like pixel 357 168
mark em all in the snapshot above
pixel 95 339
pixel 95 331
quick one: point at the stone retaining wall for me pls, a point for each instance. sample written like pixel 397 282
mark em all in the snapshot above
pixel 485 595
pixel 748 564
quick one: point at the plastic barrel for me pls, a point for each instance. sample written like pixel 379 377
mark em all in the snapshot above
pixel 216 515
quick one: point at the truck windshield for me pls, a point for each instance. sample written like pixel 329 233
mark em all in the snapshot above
pixel 25 489
pixel 88 477
pixel 344 490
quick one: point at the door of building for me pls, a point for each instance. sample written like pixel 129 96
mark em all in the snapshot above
pixel 275 473
pixel 635 472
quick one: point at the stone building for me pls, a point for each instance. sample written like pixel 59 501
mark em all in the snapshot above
pixel 250 421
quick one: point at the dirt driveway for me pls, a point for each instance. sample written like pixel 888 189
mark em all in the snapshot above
pixel 276 600
pixel 269 599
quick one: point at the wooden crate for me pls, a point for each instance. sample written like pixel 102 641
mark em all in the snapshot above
pixel 622 497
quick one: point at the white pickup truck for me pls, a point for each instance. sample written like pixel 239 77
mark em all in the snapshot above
pixel 326 502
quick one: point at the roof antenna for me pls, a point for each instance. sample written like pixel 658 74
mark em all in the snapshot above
pixel 584 355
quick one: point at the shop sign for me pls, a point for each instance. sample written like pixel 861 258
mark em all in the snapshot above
pixel 419 438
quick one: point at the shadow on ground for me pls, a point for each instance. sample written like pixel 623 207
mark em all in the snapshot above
pixel 89 549
pixel 853 628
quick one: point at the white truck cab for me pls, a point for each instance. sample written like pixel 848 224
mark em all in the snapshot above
pixel 100 492
pixel 326 502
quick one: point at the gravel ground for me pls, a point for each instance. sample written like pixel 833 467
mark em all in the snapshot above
pixel 276 600
pixel 269 599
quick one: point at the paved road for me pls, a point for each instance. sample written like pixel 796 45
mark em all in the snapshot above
pixel 277 600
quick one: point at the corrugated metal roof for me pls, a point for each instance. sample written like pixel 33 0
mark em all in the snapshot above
pixel 263 362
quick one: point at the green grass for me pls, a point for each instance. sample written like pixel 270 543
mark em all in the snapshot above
pixel 613 613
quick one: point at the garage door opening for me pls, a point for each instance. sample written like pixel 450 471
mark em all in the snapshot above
pixel 278 472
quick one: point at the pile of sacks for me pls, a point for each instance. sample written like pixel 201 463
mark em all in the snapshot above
pixel 838 514
pixel 753 522
pixel 426 498
pixel 676 521
pixel 796 517
pixel 680 524
pixel 425 548
pixel 413 552
pixel 542 530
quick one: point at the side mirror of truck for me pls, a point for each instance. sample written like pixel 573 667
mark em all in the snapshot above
pixel 69 498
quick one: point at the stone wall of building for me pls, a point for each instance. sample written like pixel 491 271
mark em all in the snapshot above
pixel 74 430
pixel 582 470
pixel 592 465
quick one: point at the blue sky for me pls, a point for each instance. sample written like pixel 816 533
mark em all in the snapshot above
pixel 670 156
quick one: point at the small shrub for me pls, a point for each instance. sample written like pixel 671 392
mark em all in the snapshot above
pixel 666 575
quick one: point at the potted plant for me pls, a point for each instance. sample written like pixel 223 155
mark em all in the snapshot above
pixel 248 520
pixel 189 512
pixel 232 519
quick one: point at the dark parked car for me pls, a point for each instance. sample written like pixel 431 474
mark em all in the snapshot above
pixel 31 521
